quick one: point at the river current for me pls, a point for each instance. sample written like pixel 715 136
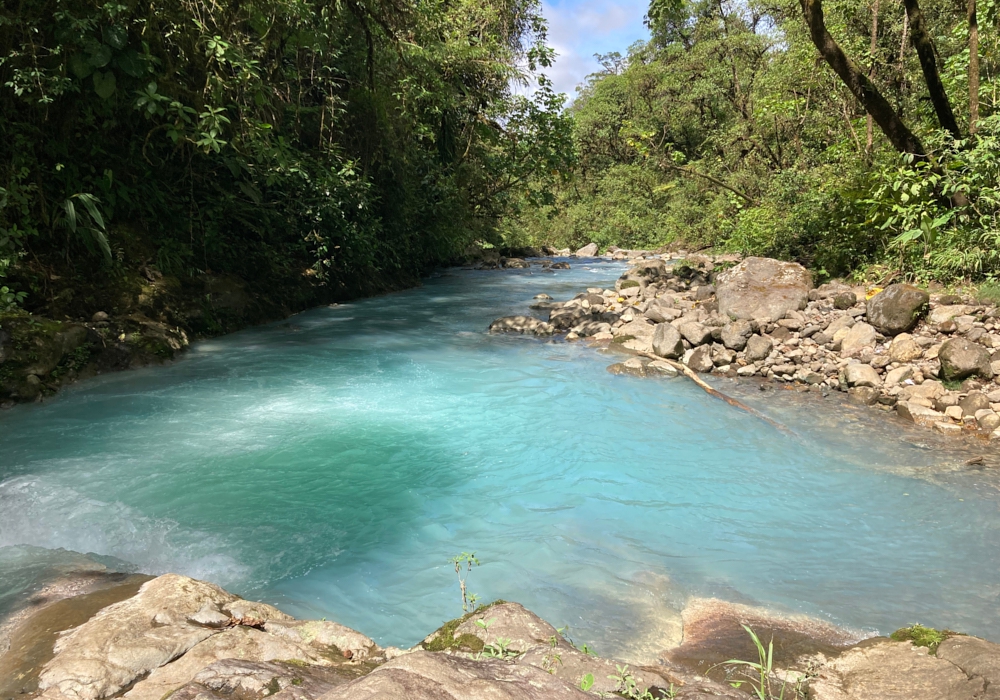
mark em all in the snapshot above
pixel 333 463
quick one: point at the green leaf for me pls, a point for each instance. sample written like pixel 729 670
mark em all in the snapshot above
pixel 115 36
pixel 90 202
pixel 79 66
pixel 104 84
pixel 587 682
pixel 130 64
pixel 101 56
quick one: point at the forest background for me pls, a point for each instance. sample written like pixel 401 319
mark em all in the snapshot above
pixel 312 151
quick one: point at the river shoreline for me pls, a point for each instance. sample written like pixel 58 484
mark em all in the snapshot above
pixel 932 360
pixel 198 641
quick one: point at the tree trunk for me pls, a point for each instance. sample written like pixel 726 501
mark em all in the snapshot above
pixel 921 39
pixel 973 67
pixel 870 131
pixel 858 83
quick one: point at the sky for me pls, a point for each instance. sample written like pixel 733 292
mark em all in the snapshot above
pixel 580 28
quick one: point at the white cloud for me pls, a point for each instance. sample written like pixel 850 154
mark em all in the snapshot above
pixel 580 28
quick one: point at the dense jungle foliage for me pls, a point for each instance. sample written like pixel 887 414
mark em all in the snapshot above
pixel 729 129
pixel 311 149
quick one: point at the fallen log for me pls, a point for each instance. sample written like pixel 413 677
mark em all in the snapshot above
pixel 712 391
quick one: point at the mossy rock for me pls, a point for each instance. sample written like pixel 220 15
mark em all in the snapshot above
pixel 921 636
pixel 444 638
pixel 622 338
pixel 628 284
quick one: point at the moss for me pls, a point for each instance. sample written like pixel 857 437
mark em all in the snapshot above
pixel 628 284
pixel 272 687
pixel 622 338
pixel 445 638
pixel 922 636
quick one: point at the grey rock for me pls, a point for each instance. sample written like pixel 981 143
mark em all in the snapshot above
pixel 589 328
pixel 511 621
pixel 735 335
pixel 904 349
pixel 125 641
pixel 859 337
pixel 758 348
pixel 863 394
pixel 695 333
pixel 893 671
pixel 975 401
pixel 845 300
pixel 762 288
pixel 977 658
pixel 587 251
pixel 701 359
pixel 704 292
pixel 426 675
pixel 897 308
pixel 667 341
pixel 528 325
pixel 961 358
pixel 99 317
pixel 861 375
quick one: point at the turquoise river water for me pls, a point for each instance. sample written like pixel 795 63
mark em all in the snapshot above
pixel 331 464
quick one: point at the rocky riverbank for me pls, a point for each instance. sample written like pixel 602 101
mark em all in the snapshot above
pixel 172 636
pixel 933 359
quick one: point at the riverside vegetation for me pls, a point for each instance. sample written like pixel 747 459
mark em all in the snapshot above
pixel 182 169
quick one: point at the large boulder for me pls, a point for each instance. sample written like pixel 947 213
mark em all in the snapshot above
pixel 961 358
pixel 762 288
pixel 425 675
pixel 897 308
pixel 667 341
pixel 244 643
pixel 128 640
pixel 522 628
pixel 587 251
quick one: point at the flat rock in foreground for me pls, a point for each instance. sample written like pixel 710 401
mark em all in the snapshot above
pixel 188 640
pixel 889 670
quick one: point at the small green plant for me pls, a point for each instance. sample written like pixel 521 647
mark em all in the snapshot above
pixel 762 670
pixel 922 636
pixel 464 562
pixel 484 624
pixel 10 299
pixel 587 682
pixel 499 649
pixel 626 685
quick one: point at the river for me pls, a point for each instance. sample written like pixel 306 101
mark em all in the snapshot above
pixel 334 462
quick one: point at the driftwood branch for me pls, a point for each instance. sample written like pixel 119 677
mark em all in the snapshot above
pixel 712 391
